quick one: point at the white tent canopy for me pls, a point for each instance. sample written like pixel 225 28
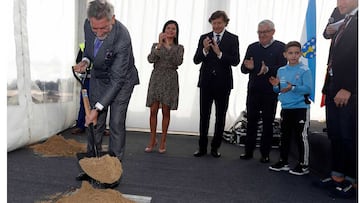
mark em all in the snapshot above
pixel 43 97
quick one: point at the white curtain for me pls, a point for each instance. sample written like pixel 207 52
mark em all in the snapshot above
pixel 41 97
pixel 145 19
pixel 43 36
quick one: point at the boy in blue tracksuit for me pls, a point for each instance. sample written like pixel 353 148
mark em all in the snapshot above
pixel 293 83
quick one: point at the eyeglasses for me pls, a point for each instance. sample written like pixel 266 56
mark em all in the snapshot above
pixel 264 32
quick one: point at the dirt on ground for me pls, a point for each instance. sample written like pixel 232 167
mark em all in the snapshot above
pixel 105 169
pixel 88 194
pixel 57 146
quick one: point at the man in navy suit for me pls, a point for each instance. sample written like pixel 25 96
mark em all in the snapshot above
pixel 113 75
pixel 341 100
pixel 217 51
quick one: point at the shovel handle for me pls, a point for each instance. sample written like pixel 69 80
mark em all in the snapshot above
pixel 84 93
pixel 87 107
pixel 86 102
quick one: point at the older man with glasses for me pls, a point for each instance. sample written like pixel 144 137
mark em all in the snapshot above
pixel 262 60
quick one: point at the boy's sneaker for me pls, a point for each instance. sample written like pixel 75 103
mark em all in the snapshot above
pixel 300 170
pixel 280 166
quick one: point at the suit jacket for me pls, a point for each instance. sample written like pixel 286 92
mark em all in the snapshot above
pixel 113 67
pixel 344 59
pixel 335 16
pixel 214 70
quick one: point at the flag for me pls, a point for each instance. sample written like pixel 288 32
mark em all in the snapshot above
pixel 308 41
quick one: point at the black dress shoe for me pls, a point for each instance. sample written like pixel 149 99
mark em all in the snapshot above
pixel 199 153
pixel 246 156
pixel 265 159
pixel 83 176
pixel 215 153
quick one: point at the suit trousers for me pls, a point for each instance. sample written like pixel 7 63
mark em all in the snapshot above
pixel 118 111
pixel 342 129
pixel 266 103
pixel 208 95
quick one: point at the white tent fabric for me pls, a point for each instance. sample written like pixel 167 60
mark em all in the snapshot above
pixel 43 97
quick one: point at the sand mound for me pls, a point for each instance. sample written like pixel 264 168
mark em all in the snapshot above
pixel 88 194
pixel 105 169
pixel 58 146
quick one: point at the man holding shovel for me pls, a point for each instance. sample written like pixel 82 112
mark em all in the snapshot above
pixel 108 52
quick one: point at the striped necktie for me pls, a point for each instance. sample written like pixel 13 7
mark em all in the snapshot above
pixel 217 39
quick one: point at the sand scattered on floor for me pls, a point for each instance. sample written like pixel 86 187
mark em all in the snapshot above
pixel 105 169
pixel 56 146
pixel 88 194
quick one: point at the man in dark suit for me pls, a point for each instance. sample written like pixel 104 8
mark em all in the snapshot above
pixel 217 51
pixel 329 33
pixel 113 75
pixel 341 91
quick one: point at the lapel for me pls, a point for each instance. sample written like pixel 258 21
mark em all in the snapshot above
pixel 351 27
pixel 223 39
pixel 353 21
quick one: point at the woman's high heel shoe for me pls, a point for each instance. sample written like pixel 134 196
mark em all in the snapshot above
pixel 162 151
pixel 150 149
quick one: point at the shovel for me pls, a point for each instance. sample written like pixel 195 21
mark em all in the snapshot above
pixel 87 108
pixel 91 126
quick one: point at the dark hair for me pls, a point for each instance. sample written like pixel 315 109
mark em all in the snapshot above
pixel 176 40
pixel 292 44
pixel 219 14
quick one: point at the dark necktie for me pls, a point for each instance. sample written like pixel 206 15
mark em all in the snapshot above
pixel 217 39
pixel 342 28
pixel 97 45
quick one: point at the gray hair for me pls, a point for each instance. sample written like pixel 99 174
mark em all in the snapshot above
pixel 268 23
pixel 99 9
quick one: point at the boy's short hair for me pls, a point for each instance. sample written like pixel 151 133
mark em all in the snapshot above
pixel 292 44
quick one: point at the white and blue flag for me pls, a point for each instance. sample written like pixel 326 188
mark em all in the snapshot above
pixel 308 41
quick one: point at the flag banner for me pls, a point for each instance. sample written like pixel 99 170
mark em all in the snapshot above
pixel 308 41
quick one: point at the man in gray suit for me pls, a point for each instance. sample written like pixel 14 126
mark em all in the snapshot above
pixel 108 52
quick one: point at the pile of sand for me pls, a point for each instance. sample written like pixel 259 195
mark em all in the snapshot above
pixel 105 169
pixel 88 194
pixel 58 146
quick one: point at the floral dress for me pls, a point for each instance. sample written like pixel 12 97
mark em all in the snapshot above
pixel 164 83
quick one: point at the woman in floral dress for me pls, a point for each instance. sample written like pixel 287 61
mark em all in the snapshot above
pixel 163 91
